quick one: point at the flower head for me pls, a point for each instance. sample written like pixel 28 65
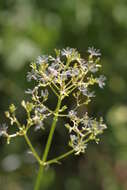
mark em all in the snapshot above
pixel 42 59
pixel 101 81
pixel 94 52
pixel 64 74
pixel 3 129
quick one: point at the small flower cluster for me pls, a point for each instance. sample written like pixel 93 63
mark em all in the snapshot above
pixel 36 113
pixel 65 74
pixel 83 130
pixel 67 71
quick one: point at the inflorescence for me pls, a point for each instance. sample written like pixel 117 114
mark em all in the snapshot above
pixel 66 74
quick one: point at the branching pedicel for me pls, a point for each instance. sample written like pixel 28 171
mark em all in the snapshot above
pixel 66 74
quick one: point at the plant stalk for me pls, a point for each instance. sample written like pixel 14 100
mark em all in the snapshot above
pixel 48 145
pixel 56 160
pixel 32 148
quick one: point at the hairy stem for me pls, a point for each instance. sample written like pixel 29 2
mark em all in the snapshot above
pixel 48 145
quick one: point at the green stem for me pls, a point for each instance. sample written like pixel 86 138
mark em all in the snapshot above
pixel 70 81
pixel 48 145
pixel 55 86
pixel 32 149
pixel 72 90
pixel 55 160
pixel 67 64
pixel 39 177
pixel 54 90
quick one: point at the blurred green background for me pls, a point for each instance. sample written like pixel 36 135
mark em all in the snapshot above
pixel 29 28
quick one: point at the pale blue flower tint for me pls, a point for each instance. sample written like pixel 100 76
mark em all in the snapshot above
pixel 3 129
pixel 101 81
pixel 42 59
pixel 94 52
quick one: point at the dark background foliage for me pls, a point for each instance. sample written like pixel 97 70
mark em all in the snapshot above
pixel 29 28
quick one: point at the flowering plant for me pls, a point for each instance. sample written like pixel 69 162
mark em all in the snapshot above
pixel 66 74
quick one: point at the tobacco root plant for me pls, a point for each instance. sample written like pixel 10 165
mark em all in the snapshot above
pixel 65 74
